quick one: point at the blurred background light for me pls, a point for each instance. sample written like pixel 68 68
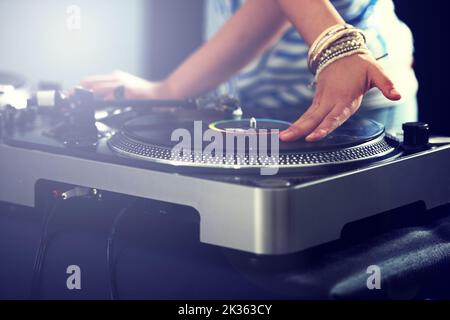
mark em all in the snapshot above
pixel 36 41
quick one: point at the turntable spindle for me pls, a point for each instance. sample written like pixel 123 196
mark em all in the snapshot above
pixel 253 123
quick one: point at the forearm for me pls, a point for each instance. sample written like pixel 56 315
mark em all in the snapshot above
pixel 244 37
pixel 310 17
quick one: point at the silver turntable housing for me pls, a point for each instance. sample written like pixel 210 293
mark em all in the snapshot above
pixel 279 218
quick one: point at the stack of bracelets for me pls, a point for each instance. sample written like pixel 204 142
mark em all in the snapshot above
pixel 333 44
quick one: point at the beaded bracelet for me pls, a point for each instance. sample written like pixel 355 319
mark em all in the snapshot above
pixel 339 57
pixel 327 46
pixel 325 35
pixel 339 46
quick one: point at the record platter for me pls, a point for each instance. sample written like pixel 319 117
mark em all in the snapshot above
pixel 252 192
pixel 149 138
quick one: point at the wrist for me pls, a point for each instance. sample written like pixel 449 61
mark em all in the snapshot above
pixel 167 89
pixel 163 91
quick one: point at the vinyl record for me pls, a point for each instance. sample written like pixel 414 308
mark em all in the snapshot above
pixel 158 129
pixel 156 138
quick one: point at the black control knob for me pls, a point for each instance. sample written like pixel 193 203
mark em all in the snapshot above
pixel 83 97
pixel 79 129
pixel 416 136
pixel 83 113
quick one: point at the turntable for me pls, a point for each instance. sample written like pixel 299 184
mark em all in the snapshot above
pixel 253 193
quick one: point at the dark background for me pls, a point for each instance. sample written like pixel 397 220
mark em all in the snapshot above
pixel 427 19
pixel 176 28
pixel 429 23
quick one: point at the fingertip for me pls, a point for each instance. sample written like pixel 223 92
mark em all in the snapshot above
pixel 317 136
pixel 395 94
pixel 287 135
pixel 311 138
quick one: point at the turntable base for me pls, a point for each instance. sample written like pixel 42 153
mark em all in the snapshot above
pixel 318 191
pixel 271 216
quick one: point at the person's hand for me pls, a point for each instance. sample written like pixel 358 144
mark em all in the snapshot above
pixel 104 86
pixel 340 90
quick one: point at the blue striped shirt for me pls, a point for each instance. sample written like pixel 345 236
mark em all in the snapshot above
pixel 280 77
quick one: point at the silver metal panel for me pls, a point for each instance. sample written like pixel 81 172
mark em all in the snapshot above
pixel 261 221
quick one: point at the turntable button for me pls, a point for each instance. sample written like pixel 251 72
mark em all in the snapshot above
pixel 416 135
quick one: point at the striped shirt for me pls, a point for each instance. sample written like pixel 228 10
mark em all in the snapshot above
pixel 280 77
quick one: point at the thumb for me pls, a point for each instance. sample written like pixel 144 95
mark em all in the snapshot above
pixel 380 80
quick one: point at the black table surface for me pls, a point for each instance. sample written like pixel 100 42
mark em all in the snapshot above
pixel 158 256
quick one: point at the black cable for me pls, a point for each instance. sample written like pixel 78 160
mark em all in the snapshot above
pixel 49 212
pixel 113 294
